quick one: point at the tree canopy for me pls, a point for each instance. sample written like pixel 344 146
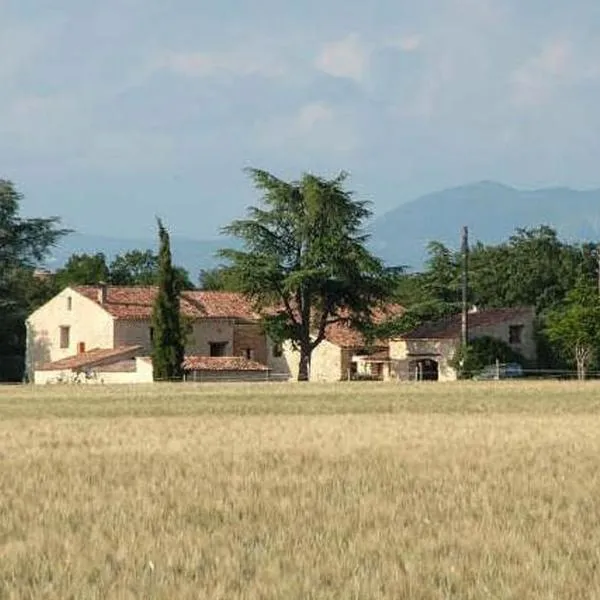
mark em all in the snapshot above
pixel 574 325
pixel 135 267
pixel 305 259
pixel 24 244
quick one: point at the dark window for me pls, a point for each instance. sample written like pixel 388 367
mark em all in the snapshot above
pixel 69 303
pixel 249 353
pixel 151 334
pixel 218 348
pixel 65 332
pixel 515 334
pixel 277 350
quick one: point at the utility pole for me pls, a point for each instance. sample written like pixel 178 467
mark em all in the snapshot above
pixel 598 260
pixel 465 287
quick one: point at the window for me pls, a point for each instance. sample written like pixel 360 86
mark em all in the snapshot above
pixel 151 334
pixel 277 350
pixel 249 353
pixel 515 334
pixel 69 303
pixel 65 331
pixel 218 348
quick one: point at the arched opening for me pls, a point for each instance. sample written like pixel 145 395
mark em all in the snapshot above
pixel 425 369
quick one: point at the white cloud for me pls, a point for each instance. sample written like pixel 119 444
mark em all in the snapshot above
pixel 408 43
pixel 315 127
pixel 127 151
pixel 535 80
pixel 206 64
pixel 311 115
pixel 346 58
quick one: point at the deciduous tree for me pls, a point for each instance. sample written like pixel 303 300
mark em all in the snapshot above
pixel 574 326
pixel 141 267
pixel 83 269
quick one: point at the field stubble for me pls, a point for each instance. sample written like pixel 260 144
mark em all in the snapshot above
pixel 271 491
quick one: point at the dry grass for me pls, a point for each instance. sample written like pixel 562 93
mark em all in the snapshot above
pixel 348 491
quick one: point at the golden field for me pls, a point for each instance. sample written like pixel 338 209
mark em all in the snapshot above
pixel 301 491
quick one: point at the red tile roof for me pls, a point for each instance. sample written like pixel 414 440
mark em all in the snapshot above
pixel 222 304
pixel 450 328
pixel 343 335
pixel 136 303
pixel 221 363
pixel 91 358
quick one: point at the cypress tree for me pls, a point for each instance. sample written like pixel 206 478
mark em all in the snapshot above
pixel 167 341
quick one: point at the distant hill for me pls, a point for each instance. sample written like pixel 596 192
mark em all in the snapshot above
pixel 491 211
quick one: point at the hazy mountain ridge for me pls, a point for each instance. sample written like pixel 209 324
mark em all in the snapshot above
pixel 491 210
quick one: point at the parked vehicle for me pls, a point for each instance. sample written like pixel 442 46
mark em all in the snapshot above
pixel 501 371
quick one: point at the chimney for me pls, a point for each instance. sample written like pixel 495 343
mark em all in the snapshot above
pixel 102 293
pixel 81 348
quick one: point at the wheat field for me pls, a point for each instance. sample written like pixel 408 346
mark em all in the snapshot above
pixel 301 491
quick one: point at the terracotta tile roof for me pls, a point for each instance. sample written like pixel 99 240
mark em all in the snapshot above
pixel 123 366
pixel 450 328
pixel 136 303
pixel 222 304
pixel 221 363
pixel 91 358
pixel 343 335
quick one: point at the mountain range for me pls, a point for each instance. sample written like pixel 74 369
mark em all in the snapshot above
pixel 492 211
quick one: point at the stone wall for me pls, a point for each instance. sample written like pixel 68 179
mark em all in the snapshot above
pixel 250 337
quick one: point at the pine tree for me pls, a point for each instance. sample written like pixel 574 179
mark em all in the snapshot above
pixel 306 255
pixel 167 340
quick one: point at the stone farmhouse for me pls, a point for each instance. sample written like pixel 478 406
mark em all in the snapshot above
pixel 104 334
pixel 425 353
pixel 108 330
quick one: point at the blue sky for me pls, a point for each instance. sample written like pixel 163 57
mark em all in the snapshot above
pixel 114 111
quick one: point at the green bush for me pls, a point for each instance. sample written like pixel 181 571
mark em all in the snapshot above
pixel 481 352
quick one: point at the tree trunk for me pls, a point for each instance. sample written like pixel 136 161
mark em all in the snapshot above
pixel 304 367
pixel 580 370
pixel 582 356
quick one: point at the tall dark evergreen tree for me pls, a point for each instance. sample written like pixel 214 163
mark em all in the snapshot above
pixel 168 336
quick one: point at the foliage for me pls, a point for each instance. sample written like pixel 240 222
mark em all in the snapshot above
pixel 24 244
pixel 141 267
pixel 169 336
pixel 575 325
pixel 305 259
pixel 83 269
pixel 221 278
pixel 136 267
pixel 481 352
pixel 533 268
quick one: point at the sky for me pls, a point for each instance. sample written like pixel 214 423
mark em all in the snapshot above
pixel 114 112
